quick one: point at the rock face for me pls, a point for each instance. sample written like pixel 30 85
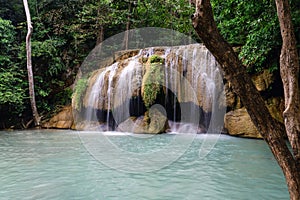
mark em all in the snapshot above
pixel 168 76
pixel 178 77
pixel 263 80
pixel 63 120
pixel 238 123
pixel 155 123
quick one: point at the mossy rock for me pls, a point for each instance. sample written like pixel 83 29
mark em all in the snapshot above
pixel 152 82
pixel 156 59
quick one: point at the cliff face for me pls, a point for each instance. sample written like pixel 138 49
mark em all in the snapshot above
pixel 183 81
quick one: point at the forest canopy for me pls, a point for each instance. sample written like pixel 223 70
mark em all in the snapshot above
pixel 65 31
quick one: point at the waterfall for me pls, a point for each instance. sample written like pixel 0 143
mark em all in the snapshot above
pixel 110 92
pixel 128 85
pixel 197 64
pixel 94 98
pixel 192 85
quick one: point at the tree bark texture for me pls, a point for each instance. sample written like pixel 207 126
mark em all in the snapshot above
pixel 236 74
pixel 289 70
pixel 35 114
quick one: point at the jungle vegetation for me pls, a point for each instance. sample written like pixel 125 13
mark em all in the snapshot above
pixel 65 31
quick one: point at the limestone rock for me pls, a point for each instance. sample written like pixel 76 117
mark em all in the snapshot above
pixel 158 121
pixel 232 100
pixel 63 120
pixel 153 123
pixel 238 123
pixel 276 108
pixel 263 80
pixel 133 125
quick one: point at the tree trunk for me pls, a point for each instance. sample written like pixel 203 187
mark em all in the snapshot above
pixel 35 114
pixel 100 36
pixel 99 25
pixel 289 70
pixel 236 74
pixel 126 35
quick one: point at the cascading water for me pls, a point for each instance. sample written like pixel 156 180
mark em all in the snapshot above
pixel 95 98
pixel 110 92
pixel 116 90
pixel 127 89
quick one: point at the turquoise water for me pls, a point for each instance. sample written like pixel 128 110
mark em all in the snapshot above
pixel 51 164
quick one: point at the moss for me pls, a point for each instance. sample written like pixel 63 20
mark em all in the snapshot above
pixel 79 92
pixel 156 59
pixel 152 81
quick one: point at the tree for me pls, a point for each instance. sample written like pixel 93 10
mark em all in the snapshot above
pixel 12 93
pixel 35 113
pixel 289 70
pixel 235 72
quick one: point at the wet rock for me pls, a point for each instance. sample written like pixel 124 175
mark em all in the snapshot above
pixel 154 122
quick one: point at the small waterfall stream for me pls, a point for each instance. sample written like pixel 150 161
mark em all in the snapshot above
pixel 126 89
pixel 114 93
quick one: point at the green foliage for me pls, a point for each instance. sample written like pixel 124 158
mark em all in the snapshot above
pixel 12 10
pixel 153 80
pixel 64 97
pixel 65 31
pixel 253 25
pixel 12 87
pixel 165 14
pixel 274 67
pixel 7 35
pixel 7 38
pixel 11 91
pixel 79 92
pixel 250 24
pixel 156 59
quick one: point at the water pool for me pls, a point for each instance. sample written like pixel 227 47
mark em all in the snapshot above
pixel 52 164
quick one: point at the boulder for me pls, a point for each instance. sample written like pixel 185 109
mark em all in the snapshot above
pixel 133 125
pixel 238 123
pixel 154 122
pixel 158 120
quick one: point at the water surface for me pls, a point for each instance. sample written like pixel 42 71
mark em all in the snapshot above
pixel 50 164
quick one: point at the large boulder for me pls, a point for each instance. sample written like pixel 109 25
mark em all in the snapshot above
pixel 238 123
